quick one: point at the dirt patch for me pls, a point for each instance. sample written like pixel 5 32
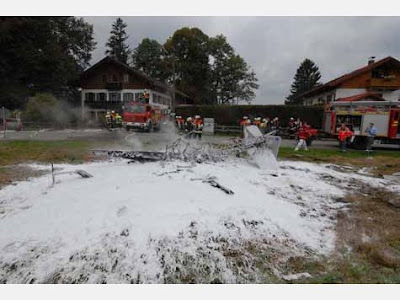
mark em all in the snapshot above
pixel 13 174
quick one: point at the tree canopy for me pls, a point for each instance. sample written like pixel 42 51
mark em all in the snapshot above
pixel 150 58
pixel 307 77
pixel 208 69
pixel 41 54
pixel 116 44
pixel 232 79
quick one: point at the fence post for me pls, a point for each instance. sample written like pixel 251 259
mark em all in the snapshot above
pixel 4 122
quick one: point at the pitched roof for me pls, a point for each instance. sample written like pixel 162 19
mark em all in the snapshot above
pixel 360 97
pixel 145 77
pixel 337 81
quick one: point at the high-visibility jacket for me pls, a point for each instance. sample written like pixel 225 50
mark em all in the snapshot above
pixel 244 122
pixel 343 134
pixel 198 125
pixel 118 119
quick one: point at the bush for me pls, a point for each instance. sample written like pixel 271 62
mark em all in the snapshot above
pixel 46 109
pixel 231 115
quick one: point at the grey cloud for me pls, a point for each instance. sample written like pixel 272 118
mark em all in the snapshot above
pixel 275 46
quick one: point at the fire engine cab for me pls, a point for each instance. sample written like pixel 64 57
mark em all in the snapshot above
pixel 357 115
pixel 143 114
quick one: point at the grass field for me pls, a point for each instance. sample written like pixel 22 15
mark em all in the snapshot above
pixel 382 162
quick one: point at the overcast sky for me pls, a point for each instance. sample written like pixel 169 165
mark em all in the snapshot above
pixel 275 46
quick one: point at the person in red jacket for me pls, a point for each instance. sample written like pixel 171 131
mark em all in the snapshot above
pixel 343 135
pixel 303 134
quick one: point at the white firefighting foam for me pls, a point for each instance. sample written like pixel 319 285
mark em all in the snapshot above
pixel 149 222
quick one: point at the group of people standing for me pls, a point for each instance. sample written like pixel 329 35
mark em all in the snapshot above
pixel 265 124
pixel 113 119
pixel 191 126
pixel 345 135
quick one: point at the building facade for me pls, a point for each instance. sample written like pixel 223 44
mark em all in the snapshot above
pixel 377 79
pixel 109 83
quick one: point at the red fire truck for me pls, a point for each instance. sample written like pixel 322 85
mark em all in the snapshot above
pixel 357 115
pixel 142 114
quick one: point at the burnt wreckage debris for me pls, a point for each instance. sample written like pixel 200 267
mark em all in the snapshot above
pixel 188 151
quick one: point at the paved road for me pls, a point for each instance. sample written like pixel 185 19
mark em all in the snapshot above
pixel 142 140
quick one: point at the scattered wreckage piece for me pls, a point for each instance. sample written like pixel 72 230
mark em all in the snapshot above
pixel 169 172
pixel 212 181
pixel 80 172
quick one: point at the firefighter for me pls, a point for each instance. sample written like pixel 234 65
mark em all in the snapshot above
pixel 112 118
pixel 263 125
pixel 146 96
pixel 189 127
pixel 108 119
pixel 245 121
pixel 118 120
pixel 275 125
pixel 292 126
pixel 198 127
pixel 343 135
pixel 180 123
pixel 257 121
pixel 303 134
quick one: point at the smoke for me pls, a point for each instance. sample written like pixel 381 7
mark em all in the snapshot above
pixel 46 109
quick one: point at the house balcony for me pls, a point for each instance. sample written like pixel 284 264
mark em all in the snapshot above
pixel 114 86
pixel 104 105
pixel 392 83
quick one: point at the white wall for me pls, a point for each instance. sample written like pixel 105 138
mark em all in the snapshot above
pixel 391 95
pixel 343 93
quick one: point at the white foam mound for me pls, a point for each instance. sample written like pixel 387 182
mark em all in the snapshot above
pixel 140 221
pixel 264 159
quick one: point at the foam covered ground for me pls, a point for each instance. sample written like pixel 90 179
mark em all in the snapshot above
pixel 154 223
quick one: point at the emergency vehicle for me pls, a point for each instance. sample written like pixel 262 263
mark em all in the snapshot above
pixel 357 115
pixel 144 114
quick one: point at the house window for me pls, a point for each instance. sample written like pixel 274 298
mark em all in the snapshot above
pixel 104 78
pixel 114 96
pixel 115 78
pixel 126 78
pixel 128 96
pixel 89 96
pixel 101 97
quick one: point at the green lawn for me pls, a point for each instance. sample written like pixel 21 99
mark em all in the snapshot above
pixel 13 152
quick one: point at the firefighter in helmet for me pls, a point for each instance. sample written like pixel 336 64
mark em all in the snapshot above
pixel 189 127
pixel 257 121
pixel 108 119
pixel 198 127
pixel 118 120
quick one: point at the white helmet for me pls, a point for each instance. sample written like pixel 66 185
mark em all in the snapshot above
pixel 197 117
pixel 177 117
pixel 291 118
pixel 189 119
pixel 245 117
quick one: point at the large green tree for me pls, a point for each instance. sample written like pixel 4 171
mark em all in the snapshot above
pixel 117 46
pixel 189 49
pixel 41 54
pixel 307 77
pixel 150 57
pixel 232 79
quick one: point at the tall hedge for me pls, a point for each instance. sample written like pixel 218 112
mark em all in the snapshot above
pixel 231 115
